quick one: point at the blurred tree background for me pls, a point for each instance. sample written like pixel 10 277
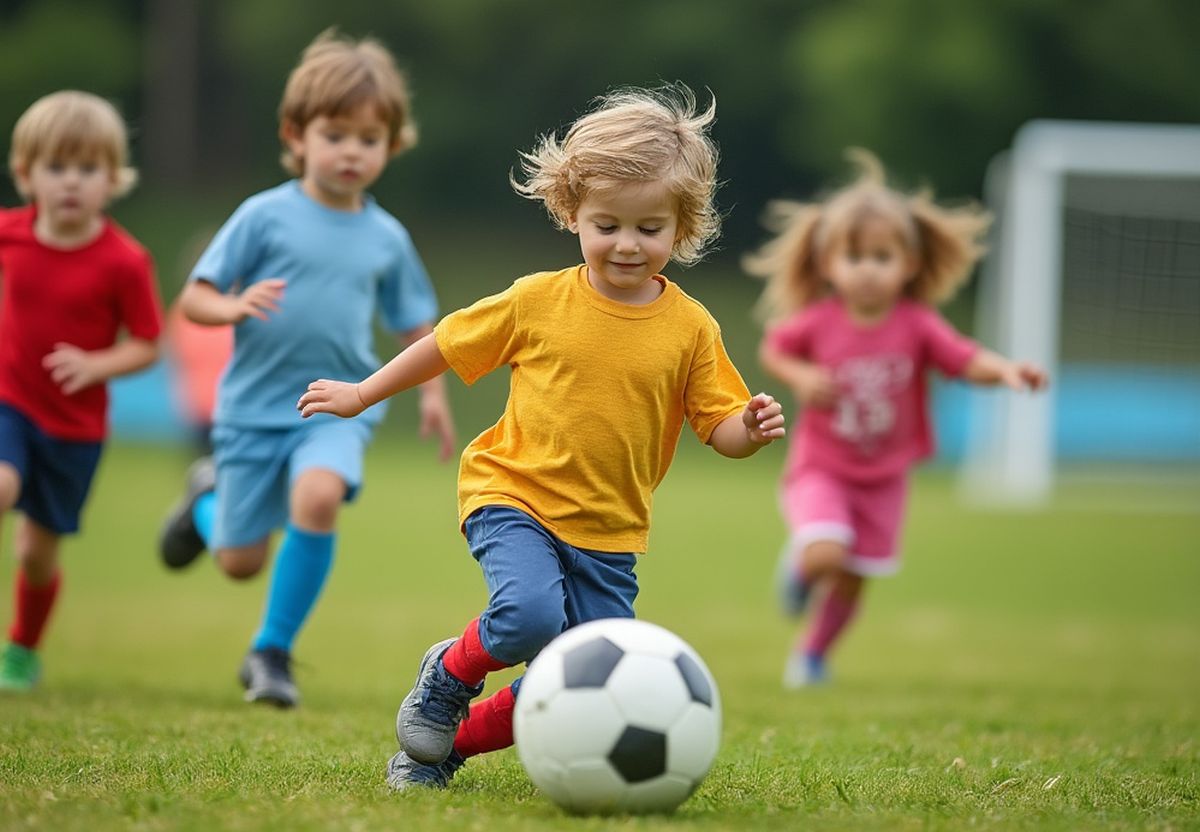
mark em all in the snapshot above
pixel 935 87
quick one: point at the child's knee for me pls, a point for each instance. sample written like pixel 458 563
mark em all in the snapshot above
pixel 10 487
pixel 527 632
pixel 36 551
pixel 316 498
pixel 824 556
pixel 241 563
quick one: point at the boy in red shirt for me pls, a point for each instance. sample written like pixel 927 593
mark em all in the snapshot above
pixel 71 281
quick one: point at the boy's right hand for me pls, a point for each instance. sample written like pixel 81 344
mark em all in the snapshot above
pixel 258 300
pixel 341 398
pixel 815 387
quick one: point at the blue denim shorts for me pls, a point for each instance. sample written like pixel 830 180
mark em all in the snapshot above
pixel 56 474
pixel 256 468
pixel 538 585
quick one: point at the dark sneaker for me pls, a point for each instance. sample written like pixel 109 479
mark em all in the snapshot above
pixel 791 591
pixel 179 543
pixel 429 716
pixel 403 772
pixel 267 677
pixel 20 668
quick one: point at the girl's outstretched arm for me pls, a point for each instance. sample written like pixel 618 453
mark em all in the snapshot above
pixel 988 367
pixel 416 365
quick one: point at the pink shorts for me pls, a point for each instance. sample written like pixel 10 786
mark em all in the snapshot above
pixel 866 518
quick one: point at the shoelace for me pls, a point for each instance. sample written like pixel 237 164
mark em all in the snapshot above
pixel 278 661
pixel 446 700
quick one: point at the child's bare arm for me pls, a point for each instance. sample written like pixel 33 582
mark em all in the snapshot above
pixel 416 365
pixel 742 434
pixel 436 418
pixel 74 369
pixel 987 367
pixel 203 303
pixel 811 383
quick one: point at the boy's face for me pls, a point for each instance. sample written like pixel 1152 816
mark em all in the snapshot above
pixel 70 194
pixel 343 155
pixel 627 234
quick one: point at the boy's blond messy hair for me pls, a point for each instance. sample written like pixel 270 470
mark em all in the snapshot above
pixel 337 75
pixel 945 243
pixel 72 126
pixel 633 135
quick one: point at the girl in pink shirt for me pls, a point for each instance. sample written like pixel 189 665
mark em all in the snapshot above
pixel 852 284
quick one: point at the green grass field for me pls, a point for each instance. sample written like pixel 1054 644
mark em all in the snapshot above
pixel 1036 670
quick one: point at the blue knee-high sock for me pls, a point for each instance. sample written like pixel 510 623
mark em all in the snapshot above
pixel 301 567
pixel 204 513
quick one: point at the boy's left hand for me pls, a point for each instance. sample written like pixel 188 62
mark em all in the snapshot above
pixel 72 368
pixel 763 418
pixel 436 421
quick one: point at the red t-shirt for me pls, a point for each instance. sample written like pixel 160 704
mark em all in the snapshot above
pixel 82 297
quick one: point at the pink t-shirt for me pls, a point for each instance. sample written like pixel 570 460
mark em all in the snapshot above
pixel 880 424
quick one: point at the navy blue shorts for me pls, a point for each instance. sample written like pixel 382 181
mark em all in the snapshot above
pixel 56 474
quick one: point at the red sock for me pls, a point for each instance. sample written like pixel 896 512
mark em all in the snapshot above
pixel 31 608
pixel 489 727
pixel 467 660
pixel 837 611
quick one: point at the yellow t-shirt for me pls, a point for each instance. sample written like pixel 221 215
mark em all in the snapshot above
pixel 598 396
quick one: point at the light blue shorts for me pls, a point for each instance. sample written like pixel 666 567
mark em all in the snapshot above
pixel 256 468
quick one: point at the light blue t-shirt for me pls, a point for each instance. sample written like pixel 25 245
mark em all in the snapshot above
pixel 341 269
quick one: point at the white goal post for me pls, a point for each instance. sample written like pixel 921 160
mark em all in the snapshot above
pixel 1009 456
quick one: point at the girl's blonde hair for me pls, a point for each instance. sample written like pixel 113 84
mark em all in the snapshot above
pixel 944 242
pixel 71 125
pixel 337 75
pixel 633 135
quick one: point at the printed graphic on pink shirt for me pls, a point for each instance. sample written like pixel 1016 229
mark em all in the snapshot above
pixel 865 413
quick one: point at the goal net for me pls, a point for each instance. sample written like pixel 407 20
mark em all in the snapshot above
pixel 1095 274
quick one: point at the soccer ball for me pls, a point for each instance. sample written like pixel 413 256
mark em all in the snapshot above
pixel 617 715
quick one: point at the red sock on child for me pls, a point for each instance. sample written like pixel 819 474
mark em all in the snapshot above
pixel 489 727
pixel 467 660
pixel 835 613
pixel 31 609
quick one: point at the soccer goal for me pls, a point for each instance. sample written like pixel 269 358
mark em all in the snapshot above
pixel 1095 274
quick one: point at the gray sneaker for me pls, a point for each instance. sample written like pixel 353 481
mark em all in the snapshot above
pixel 429 716
pixel 178 542
pixel 267 677
pixel 403 772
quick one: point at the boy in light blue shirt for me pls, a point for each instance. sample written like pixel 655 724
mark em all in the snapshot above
pixel 302 270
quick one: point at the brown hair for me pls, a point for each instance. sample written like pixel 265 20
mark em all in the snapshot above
pixel 633 135
pixel 337 75
pixel 944 242
pixel 69 125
